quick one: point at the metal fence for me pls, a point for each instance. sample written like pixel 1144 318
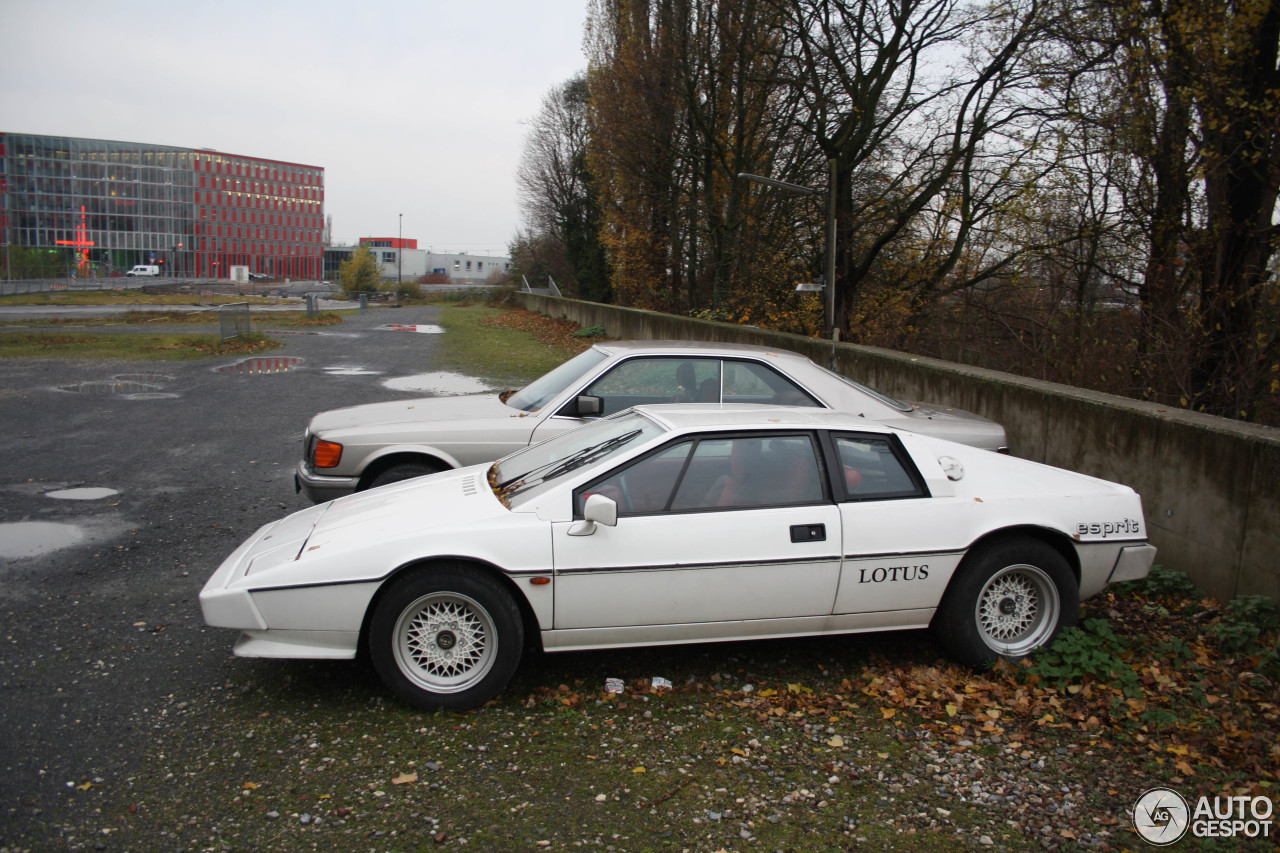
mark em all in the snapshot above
pixel 234 319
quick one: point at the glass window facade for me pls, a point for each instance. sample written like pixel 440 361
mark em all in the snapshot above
pixel 108 205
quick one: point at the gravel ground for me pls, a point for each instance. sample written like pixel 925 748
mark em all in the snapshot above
pixel 99 634
pixel 128 726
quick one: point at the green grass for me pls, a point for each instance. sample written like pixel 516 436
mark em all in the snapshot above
pixel 502 354
pixel 127 347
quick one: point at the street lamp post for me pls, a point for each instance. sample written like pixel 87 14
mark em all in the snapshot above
pixel 400 253
pixel 829 284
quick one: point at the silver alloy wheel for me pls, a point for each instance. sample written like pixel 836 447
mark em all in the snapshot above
pixel 1017 610
pixel 445 642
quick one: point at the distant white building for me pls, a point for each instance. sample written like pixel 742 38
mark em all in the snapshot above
pixel 403 259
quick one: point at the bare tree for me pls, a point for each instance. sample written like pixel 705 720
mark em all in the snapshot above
pixel 557 194
pixel 914 153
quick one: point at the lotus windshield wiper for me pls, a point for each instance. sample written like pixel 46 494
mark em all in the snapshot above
pixel 554 469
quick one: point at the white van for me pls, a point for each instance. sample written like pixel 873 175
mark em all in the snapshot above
pixel 144 269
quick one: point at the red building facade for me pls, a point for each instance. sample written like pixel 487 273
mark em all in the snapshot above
pixel 264 214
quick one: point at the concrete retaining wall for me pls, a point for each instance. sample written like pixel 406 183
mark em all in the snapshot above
pixel 1210 486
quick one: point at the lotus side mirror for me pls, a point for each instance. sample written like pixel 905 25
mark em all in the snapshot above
pixel 597 510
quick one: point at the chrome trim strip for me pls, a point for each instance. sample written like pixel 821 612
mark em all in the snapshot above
pixel 676 567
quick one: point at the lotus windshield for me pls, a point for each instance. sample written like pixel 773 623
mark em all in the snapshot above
pixel 525 471
pixel 546 387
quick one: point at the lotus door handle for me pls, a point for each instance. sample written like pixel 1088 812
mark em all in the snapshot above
pixel 808 533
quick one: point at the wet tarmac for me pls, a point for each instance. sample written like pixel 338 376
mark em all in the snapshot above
pixel 115 512
pixel 350 370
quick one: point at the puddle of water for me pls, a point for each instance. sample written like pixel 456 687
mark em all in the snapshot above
pixel 131 386
pixel 109 386
pixel 439 383
pixel 350 370
pixel 84 494
pixel 408 327
pixel 33 538
pixel 261 364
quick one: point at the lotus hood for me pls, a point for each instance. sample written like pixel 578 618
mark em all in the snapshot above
pixel 409 507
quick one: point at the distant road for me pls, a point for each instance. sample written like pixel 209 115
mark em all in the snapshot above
pixel 54 285
pixel 28 312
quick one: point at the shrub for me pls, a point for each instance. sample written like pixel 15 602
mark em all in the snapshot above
pixel 1090 650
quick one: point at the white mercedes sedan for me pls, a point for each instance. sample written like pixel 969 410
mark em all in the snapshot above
pixel 360 447
pixel 681 524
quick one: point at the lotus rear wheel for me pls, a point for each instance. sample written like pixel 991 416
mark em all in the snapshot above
pixel 1006 601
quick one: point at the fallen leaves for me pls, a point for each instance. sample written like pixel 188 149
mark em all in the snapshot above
pixel 1205 709
pixel 557 333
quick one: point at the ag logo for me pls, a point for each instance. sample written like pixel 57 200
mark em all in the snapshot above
pixel 1161 816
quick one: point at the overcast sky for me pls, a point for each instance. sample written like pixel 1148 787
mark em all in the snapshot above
pixel 414 107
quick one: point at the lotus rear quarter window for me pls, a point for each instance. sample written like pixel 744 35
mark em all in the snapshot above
pixel 872 469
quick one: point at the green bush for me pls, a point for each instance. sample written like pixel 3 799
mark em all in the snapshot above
pixel 1245 623
pixel 1166 582
pixel 408 291
pixel 360 273
pixel 1090 650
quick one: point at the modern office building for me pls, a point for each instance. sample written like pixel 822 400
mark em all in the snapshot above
pixel 98 207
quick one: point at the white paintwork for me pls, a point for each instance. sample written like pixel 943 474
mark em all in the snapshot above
pixel 302 586
pixel 696 567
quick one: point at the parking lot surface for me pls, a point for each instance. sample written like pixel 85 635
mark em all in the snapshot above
pixel 122 486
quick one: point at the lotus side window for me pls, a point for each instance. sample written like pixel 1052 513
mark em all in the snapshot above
pixel 737 472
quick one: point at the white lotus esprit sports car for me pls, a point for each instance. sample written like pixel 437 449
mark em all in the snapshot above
pixel 680 524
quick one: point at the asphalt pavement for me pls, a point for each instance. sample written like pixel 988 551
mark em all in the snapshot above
pixel 114 510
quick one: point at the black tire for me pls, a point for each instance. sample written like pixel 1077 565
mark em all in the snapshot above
pixel 446 637
pixel 404 471
pixel 1006 600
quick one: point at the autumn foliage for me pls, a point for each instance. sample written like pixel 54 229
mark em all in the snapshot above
pixel 1081 192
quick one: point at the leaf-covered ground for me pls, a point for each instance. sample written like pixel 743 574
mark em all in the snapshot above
pixel 869 742
pixel 562 334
